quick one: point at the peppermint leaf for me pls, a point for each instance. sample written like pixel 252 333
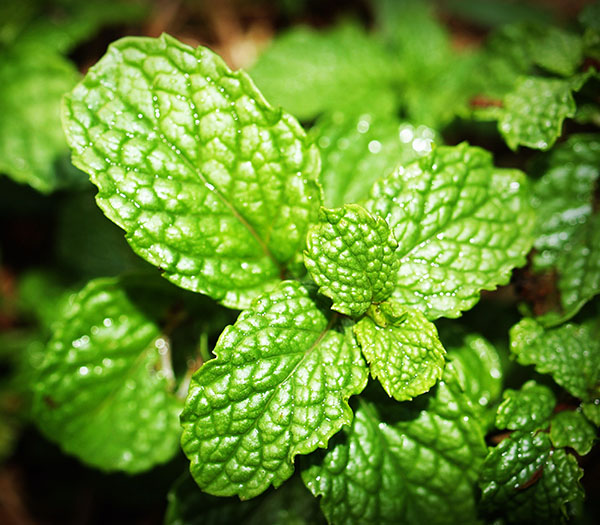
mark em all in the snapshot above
pixel 31 140
pixel 562 197
pixel 407 357
pixel 210 183
pixel 99 392
pixel 350 255
pixel 572 429
pixel 278 387
pixel 528 408
pixel 570 353
pixel 358 150
pixel 308 72
pixel 526 480
pixel 461 224
pixel 416 466
pixel 591 410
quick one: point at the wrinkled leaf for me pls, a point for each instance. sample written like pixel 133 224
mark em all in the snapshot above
pixel 528 408
pixel 571 429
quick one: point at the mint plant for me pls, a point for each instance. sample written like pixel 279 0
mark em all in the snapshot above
pixel 342 322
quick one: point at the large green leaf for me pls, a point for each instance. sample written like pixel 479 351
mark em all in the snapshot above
pixel 278 387
pixel 417 465
pixel 358 149
pixel 211 184
pixel 570 353
pixel 406 356
pixel 527 481
pixel 562 197
pixel 528 408
pixel 308 72
pixel 350 255
pixel 462 226
pixel 32 83
pixel 100 391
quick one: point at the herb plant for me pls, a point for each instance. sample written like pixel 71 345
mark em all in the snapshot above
pixel 350 388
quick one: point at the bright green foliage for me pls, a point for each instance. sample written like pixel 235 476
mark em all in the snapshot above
pixel 478 369
pixel 308 71
pixel 562 197
pixel 461 224
pixel 579 267
pixel 278 387
pixel 529 408
pixel 291 504
pixel 417 466
pixel 570 353
pixel 533 113
pixel 553 49
pixel 591 410
pixel 572 429
pixel 350 255
pixel 357 150
pixel 527 481
pixel 407 356
pixel 100 392
pixel 31 139
pixel 210 183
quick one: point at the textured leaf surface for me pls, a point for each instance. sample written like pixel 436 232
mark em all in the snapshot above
pixel 308 72
pixel 461 225
pixel 210 183
pixel 350 255
pixel 579 267
pixel 357 150
pixel 591 410
pixel 526 480
pixel 407 357
pixel 528 408
pixel 533 113
pixel 31 138
pixel 416 467
pixel 562 197
pixel 291 504
pixel 278 388
pixel 570 353
pixel 554 49
pixel 572 429
pixel 98 392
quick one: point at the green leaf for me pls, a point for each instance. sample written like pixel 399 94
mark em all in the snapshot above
pixel 478 368
pixel 350 255
pixel 591 410
pixel 31 139
pixel 100 392
pixel 579 267
pixel 572 429
pixel 417 466
pixel 291 504
pixel 562 197
pixel 462 226
pixel 308 71
pixel 554 49
pixel 278 387
pixel 533 113
pixel 528 408
pixel 407 357
pixel 570 353
pixel 528 482
pixel 358 150
pixel 210 183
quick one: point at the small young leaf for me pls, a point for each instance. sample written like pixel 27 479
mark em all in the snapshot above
pixel 562 197
pixel 98 392
pixel 554 49
pixel 527 481
pixel 278 387
pixel 591 410
pixel 529 408
pixel 210 183
pixel 579 267
pixel 572 429
pixel 462 225
pixel 356 151
pixel 350 255
pixel 407 357
pixel 417 466
pixel 570 353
